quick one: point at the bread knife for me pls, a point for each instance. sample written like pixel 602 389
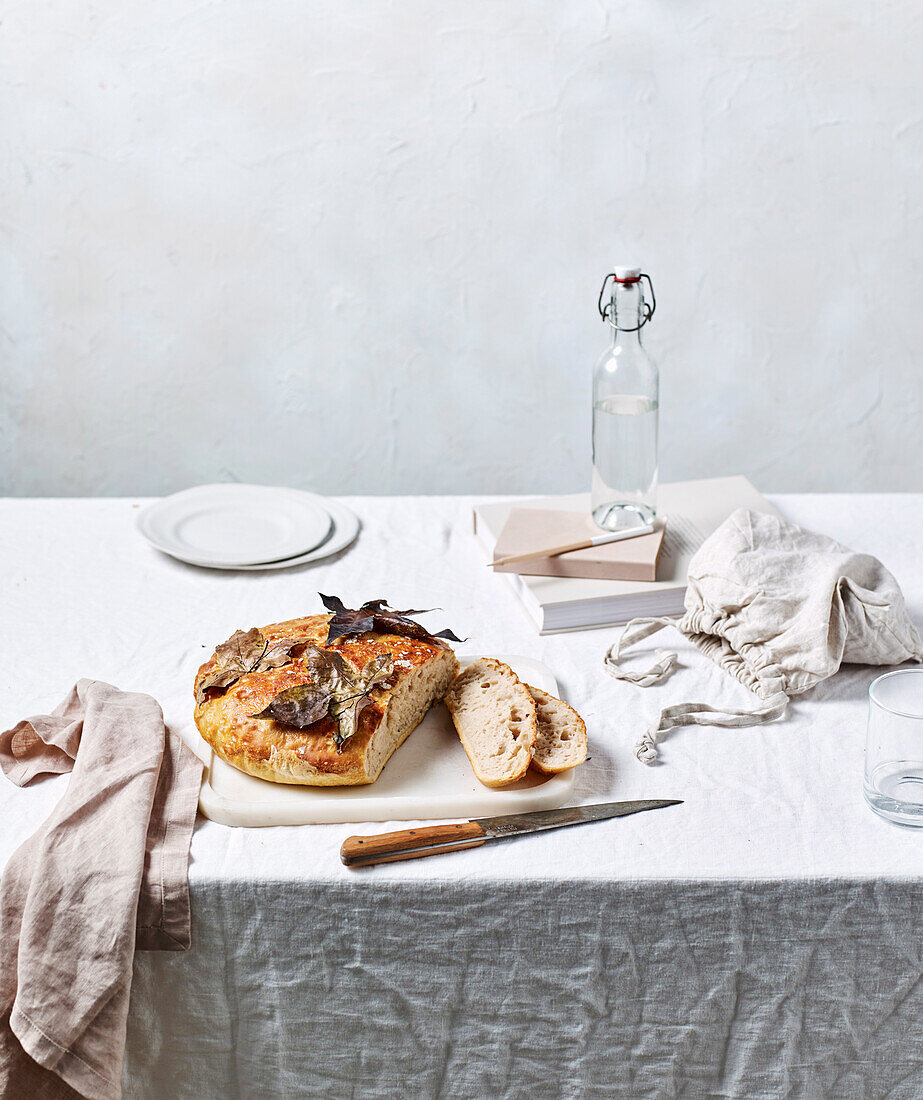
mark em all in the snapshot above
pixel 431 840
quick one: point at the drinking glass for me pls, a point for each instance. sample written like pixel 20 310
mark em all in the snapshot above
pixel 894 747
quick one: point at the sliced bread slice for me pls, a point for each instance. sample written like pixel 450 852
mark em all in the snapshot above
pixel 494 715
pixel 561 741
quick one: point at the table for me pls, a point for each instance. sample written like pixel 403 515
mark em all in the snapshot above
pixel 762 940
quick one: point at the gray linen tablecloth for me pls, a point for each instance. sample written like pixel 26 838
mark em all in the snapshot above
pixel 763 940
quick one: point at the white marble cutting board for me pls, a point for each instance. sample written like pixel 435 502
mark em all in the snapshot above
pixel 428 777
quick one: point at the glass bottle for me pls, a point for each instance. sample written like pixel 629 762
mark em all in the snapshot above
pixel 626 395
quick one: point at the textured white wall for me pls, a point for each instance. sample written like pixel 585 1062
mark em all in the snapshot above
pixel 356 246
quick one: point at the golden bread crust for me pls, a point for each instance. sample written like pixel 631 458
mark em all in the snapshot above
pixel 284 754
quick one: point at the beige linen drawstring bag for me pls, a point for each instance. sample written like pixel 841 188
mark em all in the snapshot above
pixel 779 608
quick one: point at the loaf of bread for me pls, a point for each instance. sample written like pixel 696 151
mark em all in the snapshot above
pixel 494 715
pixel 561 741
pixel 234 719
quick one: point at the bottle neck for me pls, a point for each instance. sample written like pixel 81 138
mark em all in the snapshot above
pixel 626 312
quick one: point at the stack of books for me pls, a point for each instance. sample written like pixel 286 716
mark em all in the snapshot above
pixel 608 584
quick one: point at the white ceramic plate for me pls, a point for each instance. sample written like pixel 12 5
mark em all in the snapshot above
pixel 342 534
pixel 428 777
pixel 234 525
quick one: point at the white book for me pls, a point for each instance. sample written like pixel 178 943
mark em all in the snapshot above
pixel 692 511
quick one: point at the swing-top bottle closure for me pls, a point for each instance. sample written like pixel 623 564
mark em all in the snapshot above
pixel 627 276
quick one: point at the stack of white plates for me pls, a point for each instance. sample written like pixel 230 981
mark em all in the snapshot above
pixel 248 526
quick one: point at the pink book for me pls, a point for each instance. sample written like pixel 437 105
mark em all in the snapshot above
pixel 529 529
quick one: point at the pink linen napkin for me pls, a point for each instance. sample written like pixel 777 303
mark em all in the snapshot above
pixel 105 875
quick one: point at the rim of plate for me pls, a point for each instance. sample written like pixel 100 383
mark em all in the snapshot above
pixel 344 529
pixel 146 522
pixel 343 533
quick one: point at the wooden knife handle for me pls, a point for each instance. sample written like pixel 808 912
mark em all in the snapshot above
pixel 364 851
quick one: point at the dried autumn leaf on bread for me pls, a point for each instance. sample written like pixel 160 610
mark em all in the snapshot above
pixel 335 687
pixel 375 615
pixel 299 706
pixel 245 651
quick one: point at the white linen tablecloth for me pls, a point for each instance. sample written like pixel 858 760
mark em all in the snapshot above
pixel 762 940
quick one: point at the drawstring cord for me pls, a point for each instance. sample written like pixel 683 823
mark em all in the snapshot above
pixel 681 714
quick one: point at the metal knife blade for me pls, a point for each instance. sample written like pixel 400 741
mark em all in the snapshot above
pixel 431 840
pixel 496 828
